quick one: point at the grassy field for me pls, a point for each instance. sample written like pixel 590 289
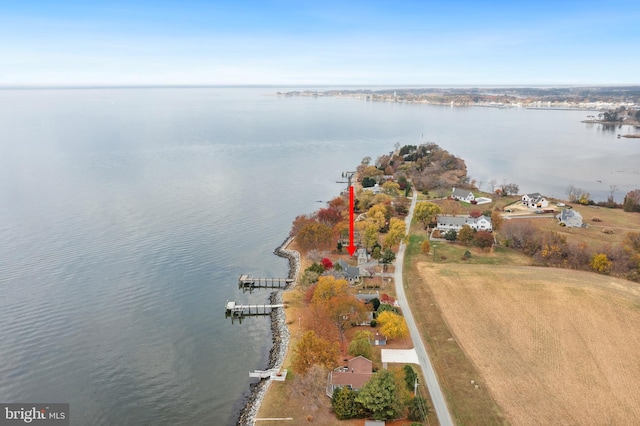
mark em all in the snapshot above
pixel 616 221
pixel 455 371
pixel 546 346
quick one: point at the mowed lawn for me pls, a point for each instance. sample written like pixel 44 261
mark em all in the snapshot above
pixel 553 346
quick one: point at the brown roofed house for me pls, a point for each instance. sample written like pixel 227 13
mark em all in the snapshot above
pixel 357 372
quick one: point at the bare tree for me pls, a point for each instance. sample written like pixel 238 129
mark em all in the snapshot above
pixel 492 183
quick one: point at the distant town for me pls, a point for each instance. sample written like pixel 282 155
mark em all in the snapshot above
pixel 622 99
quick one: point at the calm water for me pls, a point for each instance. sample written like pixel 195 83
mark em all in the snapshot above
pixel 126 217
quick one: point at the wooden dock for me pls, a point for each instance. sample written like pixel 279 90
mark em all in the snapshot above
pixel 235 310
pixel 273 374
pixel 247 282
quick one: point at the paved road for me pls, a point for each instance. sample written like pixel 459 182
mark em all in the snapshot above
pixel 439 403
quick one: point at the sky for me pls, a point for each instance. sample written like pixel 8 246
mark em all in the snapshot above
pixel 282 42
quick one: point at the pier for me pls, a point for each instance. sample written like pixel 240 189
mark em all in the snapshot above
pixel 273 374
pixel 247 282
pixel 235 310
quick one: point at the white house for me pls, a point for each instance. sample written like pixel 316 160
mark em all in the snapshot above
pixel 446 223
pixel 376 189
pixel 570 218
pixel 535 201
pixel 463 195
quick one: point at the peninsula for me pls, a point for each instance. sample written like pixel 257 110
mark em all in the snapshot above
pixel 345 309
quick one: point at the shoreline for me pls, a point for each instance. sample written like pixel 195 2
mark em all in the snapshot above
pixel 280 337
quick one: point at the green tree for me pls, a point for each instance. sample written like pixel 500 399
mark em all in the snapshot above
pixel 344 404
pixel 379 397
pixel 425 212
pixel 451 235
pixel 387 307
pixel 388 256
pixel 376 253
pixel 418 409
pixel 361 344
pixel 410 377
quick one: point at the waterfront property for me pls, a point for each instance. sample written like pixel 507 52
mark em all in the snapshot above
pixel 447 222
pixel 535 201
pixel 570 218
pixel 357 372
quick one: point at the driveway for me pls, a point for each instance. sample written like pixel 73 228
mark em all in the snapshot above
pixel 439 403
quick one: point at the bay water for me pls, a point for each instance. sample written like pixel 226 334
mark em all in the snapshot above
pixel 127 216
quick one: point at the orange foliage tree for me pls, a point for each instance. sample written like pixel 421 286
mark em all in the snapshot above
pixel 314 235
pixel 312 350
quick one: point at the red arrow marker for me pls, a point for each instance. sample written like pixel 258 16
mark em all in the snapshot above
pixel 352 247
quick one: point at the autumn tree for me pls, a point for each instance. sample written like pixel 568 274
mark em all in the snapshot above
pixel 328 287
pixel 361 344
pixel 425 212
pixel 329 216
pixel 632 241
pixel 397 231
pixel 465 235
pixel 313 350
pixel 632 201
pixel 380 397
pixel 370 234
pixel 392 325
pixel 315 235
pixel 483 239
pixel 364 200
pixel 342 311
pixel 425 247
pixel 496 220
pixel 298 223
pixel 378 215
pixel 601 263
pixel 391 188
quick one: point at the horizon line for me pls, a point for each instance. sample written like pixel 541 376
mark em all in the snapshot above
pixel 325 85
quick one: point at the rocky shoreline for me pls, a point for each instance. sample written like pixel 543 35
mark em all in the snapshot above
pixel 280 334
